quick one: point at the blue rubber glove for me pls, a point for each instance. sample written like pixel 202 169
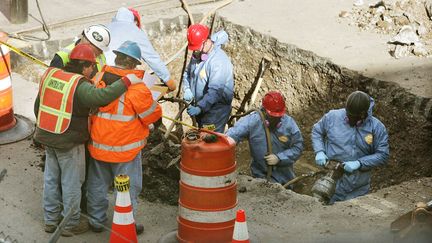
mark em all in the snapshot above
pixel 188 96
pixel 193 110
pixel 321 158
pixel 351 166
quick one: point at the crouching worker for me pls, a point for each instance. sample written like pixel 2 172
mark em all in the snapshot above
pixel 354 137
pixel 118 133
pixel 62 107
pixel 285 137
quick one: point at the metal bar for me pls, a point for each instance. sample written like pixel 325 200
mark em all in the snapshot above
pixel 56 234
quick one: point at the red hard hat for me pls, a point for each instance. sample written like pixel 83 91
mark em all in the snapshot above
pixel 274 104
pixel 196 35
pixel 83 52
pixel 137 16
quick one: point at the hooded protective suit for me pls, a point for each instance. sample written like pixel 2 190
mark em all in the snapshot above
pixel 287 144
pixel 123 28
pixel 211 82
pixel 367 143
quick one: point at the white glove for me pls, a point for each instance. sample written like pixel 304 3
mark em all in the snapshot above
pixel 271 159
pixel 134 79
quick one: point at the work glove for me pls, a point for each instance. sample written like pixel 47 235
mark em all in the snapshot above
pixel 321 158
pixel 171 85
pixel 188 96
pixel 134 79
pixel 351 166
pixel 193 110
pixel 272 159
pixel 155 125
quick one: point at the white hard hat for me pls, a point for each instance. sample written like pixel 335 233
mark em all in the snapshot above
pixel 98 35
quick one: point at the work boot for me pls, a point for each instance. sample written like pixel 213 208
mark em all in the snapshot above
pixel 139 228
pixel 50 228
pixel 96 229
pixel 82 227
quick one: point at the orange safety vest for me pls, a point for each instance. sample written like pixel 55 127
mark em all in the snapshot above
pixel 56 92
pixel 120 130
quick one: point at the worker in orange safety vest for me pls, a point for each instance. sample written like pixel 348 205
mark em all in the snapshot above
pixel 61 108
pixel 118 133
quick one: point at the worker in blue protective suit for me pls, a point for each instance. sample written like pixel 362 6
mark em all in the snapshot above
pixel 286 139
pixel 208 80
pixel 354 137
pixel 123 28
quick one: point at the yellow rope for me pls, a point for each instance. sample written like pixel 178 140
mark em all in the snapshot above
pixel 21 53
pixel 177 121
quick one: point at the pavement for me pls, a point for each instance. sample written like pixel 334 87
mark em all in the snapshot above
pixel 308 24
pixel 315 26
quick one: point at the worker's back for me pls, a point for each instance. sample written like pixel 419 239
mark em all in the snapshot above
pixel 119 130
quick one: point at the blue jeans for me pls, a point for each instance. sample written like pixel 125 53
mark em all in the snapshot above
pixel 101 176
pixel 63 177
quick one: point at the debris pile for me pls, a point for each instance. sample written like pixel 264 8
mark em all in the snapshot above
pixel 408 21
pixel 160 173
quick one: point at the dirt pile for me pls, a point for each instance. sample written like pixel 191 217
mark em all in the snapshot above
pixel 160 173
pixel 407 21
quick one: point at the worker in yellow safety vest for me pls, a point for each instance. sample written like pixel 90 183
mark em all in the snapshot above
pixel 98 36
pixel 61 108
pixel 119 131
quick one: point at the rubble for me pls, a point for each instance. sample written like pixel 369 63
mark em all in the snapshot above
pixel 160 172
pixel 408 22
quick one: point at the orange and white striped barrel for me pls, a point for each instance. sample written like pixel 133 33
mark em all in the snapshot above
pixel 208 188
pixel 7 119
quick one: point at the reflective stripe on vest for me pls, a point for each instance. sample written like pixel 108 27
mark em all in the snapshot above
pixel 122 148
pixel 56 100
pixel 126 118
pixel 101 61
pixel 65 52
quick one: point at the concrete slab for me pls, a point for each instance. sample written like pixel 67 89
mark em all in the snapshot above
pixel 25 93
pixel 315 26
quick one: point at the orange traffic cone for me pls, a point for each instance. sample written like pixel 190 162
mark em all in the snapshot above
pixel 123 225
pixel 241 234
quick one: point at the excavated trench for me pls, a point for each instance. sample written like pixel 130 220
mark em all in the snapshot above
pixel 312 86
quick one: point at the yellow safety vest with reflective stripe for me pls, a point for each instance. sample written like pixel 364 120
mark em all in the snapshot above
pixel 56 92
pixel 120 129
pixel 64 55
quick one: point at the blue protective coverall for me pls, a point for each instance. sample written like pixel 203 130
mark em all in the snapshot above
pixel 212 83
pixel 123 28
pixel 367 143
pixel 287 144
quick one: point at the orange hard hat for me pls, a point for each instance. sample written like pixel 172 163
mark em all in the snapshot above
pixel 196 35
pixel 137 16
pixel 274 104
pixel 83 52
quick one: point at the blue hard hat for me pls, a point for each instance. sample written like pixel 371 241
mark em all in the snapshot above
pixel 131 49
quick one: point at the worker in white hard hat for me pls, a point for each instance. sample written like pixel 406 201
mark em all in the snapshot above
pixel 98 36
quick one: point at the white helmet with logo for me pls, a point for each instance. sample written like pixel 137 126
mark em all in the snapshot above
pixel 98 35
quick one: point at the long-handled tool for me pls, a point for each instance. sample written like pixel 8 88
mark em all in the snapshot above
pixel 251 95
pixel 269 144
pixel 182 106
pixel 264 64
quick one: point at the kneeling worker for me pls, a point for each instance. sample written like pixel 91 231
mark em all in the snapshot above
pixel 285 136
